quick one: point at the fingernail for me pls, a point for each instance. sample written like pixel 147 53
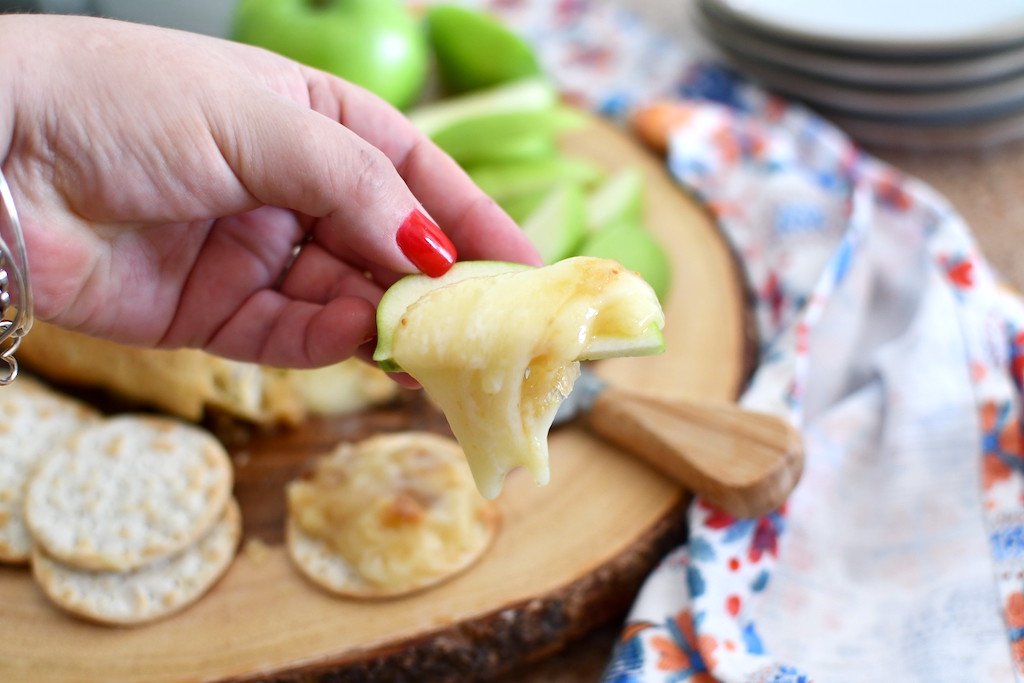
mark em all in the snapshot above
pixel 425 244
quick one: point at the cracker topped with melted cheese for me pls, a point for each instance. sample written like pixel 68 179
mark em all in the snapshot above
pixel 389 515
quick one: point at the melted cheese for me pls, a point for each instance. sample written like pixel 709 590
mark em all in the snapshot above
pixel 499 354
pixel 398 508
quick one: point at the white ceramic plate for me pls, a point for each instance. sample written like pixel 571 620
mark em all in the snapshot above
pixel 885 26
pixel 939 138
pixel 959 105
pixel 914 74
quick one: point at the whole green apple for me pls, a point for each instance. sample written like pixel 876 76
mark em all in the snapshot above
pixel 376 44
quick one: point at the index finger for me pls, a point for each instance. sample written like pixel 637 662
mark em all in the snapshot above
pixel 480 229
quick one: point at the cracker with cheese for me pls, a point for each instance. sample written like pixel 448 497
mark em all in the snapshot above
pixel 387 516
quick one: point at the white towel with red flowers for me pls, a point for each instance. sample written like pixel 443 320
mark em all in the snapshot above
pixel 890 343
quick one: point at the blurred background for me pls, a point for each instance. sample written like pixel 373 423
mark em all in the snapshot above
pixel 212 17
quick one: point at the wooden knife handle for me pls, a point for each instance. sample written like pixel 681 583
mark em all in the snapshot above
pixel 745 463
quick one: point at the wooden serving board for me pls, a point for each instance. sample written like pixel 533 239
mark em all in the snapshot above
pixel 568 557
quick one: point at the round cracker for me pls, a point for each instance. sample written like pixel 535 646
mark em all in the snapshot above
pixel 128 491
pixel 152 592
pixel 35 420
pixel 342 472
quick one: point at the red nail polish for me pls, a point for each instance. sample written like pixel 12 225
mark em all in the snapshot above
pixel 425 245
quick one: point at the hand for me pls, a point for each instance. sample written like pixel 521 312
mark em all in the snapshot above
pixel 164 180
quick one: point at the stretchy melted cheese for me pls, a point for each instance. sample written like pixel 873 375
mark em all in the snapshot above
pixel 499 354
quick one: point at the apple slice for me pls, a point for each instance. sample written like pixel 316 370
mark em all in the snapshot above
pixel 474 50
pixel 523 148
pixel 632 245
pixel 410 288
pixel 619 197
pixel 497 348
pixel 535 94
pixel 474 138
pixel 558 225
pixel 505 180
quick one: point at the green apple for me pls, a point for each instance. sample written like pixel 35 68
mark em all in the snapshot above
pixel 497 348
pixel 632 245
pixel 515 121
pixel 407 290
pixel 558 225
pixel 522 95
pixel 619 198
pixel 506 150
pixel 376 44
pixel 502 181
pixel 521 206
pixel 491 137
pixel 474 50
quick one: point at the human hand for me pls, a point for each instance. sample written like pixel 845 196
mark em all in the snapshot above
pixel 164 180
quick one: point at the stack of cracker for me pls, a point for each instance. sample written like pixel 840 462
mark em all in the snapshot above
pixel 124 519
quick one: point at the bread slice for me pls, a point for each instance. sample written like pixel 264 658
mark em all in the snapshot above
pixel 188 382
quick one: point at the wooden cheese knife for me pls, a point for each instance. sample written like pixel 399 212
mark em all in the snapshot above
pixel 745 463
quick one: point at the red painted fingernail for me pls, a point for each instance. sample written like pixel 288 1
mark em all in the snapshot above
pixel 425 245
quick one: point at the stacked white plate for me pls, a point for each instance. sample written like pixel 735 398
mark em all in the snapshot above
pixel 930 74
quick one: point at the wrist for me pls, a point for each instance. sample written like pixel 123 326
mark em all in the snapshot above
pixel 15 290
pixel 9 64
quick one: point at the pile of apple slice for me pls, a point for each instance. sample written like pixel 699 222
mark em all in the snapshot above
pixel 506 138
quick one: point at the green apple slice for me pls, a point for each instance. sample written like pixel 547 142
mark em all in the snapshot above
pixel 505 150
pixel 520 206
pixel 620 197
pixel 498 348
pixel 535 94
pixel 411 288
pixel 472 139
pixel 632 245
pixel 558 225
pixel 503 181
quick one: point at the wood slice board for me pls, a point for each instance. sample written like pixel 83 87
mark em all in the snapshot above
pixel 568 557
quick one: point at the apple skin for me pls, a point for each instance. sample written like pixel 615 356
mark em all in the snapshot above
pixel 503 181
pixel 558 225
pixel 376 44
pixel 632 245
pixel 476 51
pixel 409 289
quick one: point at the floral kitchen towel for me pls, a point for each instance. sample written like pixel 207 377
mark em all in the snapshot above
pixel 887 339
pixel 894 347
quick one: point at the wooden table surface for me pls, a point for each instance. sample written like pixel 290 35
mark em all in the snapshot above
pixel 986 186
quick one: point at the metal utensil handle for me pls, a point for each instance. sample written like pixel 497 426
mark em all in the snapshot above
pixel 15 289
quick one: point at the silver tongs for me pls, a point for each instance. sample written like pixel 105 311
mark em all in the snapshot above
pixel 745 463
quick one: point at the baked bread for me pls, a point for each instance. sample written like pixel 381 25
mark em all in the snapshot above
pixel 188 382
